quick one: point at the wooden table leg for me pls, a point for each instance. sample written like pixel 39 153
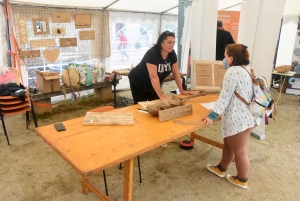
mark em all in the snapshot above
pixel 280 88
pixel 85 189
pixel 89 186
pixel 128 173
pixel 206 140
pixel 192 137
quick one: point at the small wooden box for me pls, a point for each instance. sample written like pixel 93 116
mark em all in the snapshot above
pixel 47 81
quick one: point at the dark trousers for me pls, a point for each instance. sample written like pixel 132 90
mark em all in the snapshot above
pixel 140 95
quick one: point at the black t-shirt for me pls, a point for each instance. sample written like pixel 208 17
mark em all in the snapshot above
pixel 139 76
pixel 223 38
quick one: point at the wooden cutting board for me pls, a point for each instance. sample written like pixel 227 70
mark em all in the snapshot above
pixel 108 118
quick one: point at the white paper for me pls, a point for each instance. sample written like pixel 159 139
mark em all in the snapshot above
pixel 209 105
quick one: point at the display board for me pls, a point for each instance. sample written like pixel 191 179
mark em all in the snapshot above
pixel 293 84
pixel 230 21
pixel 208 75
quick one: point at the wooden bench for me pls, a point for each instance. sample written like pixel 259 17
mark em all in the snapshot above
pixel 42 101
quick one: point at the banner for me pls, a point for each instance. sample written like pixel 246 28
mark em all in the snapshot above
pixel 293 84
pixel 230 21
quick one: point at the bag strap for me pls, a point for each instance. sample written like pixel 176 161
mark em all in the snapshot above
pixel 253 78
pixel 73 93
pixel 241 98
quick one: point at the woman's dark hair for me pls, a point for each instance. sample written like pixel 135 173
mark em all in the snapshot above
pixel 163 37
pixel 239 53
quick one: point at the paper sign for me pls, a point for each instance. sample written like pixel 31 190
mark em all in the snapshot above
pixel 209 106
pixel 203 74
pixel 208 75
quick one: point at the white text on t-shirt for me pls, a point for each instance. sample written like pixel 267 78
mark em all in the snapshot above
pixel 164 67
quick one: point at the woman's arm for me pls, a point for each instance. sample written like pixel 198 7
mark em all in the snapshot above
pixel 152 69
pixel 177 78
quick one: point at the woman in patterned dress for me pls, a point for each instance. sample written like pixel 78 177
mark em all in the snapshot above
pixel 237 120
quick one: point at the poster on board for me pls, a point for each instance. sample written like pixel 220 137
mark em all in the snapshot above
pixel 293 84
pixel 230 21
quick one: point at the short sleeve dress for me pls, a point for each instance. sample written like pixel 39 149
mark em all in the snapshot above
pixel 236 116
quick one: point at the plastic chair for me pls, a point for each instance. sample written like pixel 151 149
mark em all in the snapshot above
pixel 12 105
pixel 105 109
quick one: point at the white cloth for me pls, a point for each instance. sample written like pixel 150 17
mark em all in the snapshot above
pixel 236 116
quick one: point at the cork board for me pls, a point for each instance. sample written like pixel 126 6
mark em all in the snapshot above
pixel 108 118
pixel 61 18
pixel 22 30
pixel 87 35
pixel 67 42
pixel 29 53
pixel 42 43
pixel 58 31
pixel 208 75
pixel 82 21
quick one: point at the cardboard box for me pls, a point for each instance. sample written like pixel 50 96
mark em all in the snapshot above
pixel 47 81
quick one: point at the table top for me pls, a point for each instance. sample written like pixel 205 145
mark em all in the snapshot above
pixel 90 149
pixel 290 73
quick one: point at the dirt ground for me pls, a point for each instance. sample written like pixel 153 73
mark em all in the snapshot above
pixel 30 170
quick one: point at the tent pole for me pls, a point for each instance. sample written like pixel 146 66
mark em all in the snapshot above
pixel 160 19
pixel 8 39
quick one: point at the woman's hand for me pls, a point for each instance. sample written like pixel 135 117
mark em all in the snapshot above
pixel 164 97
pixel 183 92
pixel 207 121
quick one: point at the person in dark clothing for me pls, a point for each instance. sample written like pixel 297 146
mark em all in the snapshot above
pixel 157 64
pixel 223 38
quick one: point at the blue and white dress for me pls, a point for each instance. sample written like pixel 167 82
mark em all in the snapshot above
pixel 236 116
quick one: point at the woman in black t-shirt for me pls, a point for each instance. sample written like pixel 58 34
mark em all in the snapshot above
pixel 157 64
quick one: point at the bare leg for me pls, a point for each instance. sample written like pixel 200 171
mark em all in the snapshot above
pixel 239 145
pixel 227 155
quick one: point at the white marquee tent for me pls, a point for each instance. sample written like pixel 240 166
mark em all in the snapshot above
pixel 156 12
pixel 147 6
pixel 259 25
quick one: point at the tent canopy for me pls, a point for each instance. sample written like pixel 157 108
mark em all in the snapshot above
pixel 148 6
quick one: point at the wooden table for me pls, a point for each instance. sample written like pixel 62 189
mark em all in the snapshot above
pixel 282 81
pixel 90 149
